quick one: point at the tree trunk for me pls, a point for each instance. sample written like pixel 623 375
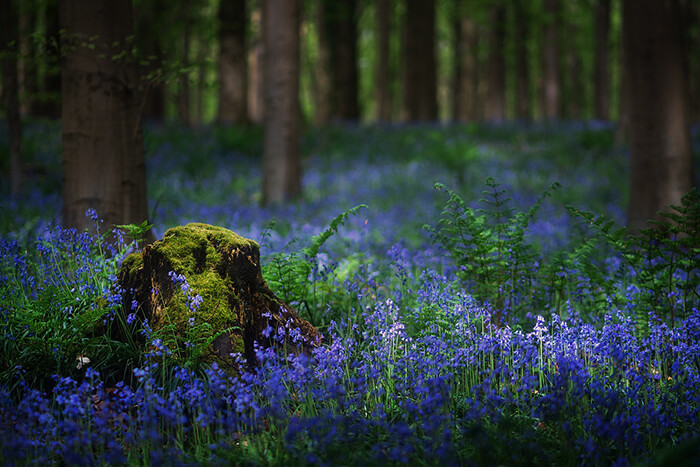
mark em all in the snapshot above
pixel 522 62
pixel 551 96
pixel 340 24
pixel 149 35
pixel 47 100
pixel 382 83
pixel 183 90
pixel 601 77
pixel 26 68
pixel 281 158
pixel 256 73
pixel 102 143
pixel 661 166
pixel 419 78
pixel 496 69
pixel 465 69
pixel 322 70
pixel 9 22
pixel 232 62
pixel 575 89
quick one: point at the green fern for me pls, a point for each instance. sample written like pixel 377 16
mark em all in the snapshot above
pixel 292 278
pixel 664 259
pixel 488 245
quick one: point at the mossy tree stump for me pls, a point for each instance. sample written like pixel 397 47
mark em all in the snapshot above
pixel 224 269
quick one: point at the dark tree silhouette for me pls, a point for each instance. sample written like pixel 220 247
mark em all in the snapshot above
pixel 661 166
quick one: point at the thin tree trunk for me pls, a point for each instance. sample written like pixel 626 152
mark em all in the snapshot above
pixel 552 87
pixel 102 143
pixel 9 19
pixel 183 97
pixel 522 62
pixel 281 157
pixel 232 62
pixel 465 79
pixel 661 165
pixel 496 90
pixel 601 76
pixel 382 89
pixel 575 91
pixel 341 34
pixel 256 72
pixel 322 70
pixel 26 68
pixel 419 77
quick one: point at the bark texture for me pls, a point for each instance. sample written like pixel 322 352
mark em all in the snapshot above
pixel 281 158
pixel 103 160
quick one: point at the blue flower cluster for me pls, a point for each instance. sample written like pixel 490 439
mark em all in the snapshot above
pixel 564 392
pixel 413 370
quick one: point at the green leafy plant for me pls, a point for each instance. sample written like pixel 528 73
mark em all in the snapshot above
pixel 136 232
pixel 300 279
pixel 57 307
pixel 664 259
pixel 488 245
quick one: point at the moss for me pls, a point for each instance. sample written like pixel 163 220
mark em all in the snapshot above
pixel 190 247
pixel 131 265
pixel 197 250
pixel 220 266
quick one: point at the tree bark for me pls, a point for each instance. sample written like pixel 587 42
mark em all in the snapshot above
pixel 522 61
pixel 419 77
pixel 232 62
pixel 103 159
pixel 281 157
pixel 661 166
pixel 601 77
pixel 382 82
pixel 496 69
pixel 9 22
pixel 551 105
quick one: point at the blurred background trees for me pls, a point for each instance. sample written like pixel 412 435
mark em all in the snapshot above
pixel 203 61
pixel 366 60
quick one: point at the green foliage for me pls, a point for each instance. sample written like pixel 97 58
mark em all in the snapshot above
pixel 488 245
pixel 136 232
pixel 303 281
pixel 663 259
pixel 57 309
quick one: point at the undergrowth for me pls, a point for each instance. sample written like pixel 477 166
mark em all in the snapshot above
pixel 503 268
